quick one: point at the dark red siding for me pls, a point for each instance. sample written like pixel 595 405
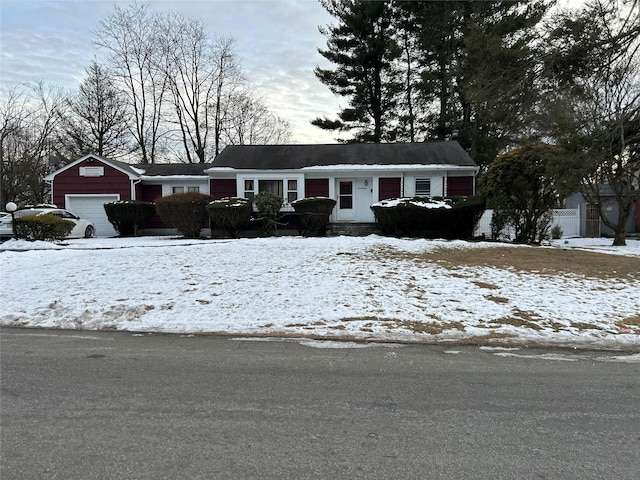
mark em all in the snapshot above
pixel 149 193
pixel 459 186
pixel 114 181
pixel 316 187
pixel 389 188
pixel 222 187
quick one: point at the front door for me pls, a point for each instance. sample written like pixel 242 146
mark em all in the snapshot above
pixel 346 202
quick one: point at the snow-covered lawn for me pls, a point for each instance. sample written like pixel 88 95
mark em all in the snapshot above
pixel 342 287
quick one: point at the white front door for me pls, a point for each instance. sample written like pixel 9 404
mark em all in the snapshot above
pixel 345 208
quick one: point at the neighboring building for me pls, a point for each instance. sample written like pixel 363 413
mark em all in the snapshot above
pixel 355 175
pixel 590 223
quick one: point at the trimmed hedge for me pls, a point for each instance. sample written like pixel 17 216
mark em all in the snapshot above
pixel 268 206
pixel 232 214
pixel 42 227
pixel 186 212
pixel 127 216
pixel 313 215
pixel 448 218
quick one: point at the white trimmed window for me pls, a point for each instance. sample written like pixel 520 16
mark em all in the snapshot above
pixel 182 189
pixel 423 187
pixel 292 191
pixel 249 191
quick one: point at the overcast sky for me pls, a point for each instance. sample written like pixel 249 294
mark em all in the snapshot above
pixel 277 41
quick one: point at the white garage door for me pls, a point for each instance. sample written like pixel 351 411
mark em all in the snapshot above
pixel 91 207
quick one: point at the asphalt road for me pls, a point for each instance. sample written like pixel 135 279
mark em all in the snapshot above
pixel 103 405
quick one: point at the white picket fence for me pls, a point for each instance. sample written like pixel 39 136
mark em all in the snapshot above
pixel 568 219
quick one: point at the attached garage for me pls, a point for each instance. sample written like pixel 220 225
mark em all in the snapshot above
pixel 91 207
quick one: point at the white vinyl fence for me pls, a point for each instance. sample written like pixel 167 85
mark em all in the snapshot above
pixel 568 219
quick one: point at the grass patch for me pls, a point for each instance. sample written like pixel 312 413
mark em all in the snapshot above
pixel 540 260
pixel 495 299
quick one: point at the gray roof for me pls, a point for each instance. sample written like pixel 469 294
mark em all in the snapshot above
pixel 170 169
pixel 284 157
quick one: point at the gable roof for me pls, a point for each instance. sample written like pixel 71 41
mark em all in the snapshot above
pixel 134 171
pixel 123 167
pixel 284 157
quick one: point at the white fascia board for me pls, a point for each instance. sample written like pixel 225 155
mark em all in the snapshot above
pixel 100 159
pixel 157 178
pixel 408 167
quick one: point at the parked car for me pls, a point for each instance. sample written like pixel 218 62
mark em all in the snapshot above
pixel 83 228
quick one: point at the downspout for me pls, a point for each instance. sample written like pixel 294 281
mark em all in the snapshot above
pixel 133 188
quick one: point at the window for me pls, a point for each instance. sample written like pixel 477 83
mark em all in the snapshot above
pixel 423 187
pixel 271 186
pixel 182 189
pixel 249 192
pixel 292 191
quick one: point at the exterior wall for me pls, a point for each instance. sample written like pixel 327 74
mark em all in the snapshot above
pixel 459 186
pixel 389 188
pixel 316 187
pixel 70 181
pixel 222 187
pixel 201 185
pixel 149 193
pixel 369 185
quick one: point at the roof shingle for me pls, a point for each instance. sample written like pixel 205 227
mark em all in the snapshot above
pixel 272 157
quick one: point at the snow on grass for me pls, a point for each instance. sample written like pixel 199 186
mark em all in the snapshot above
pixel 336 288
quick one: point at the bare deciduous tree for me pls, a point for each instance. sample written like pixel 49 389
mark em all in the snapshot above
pixel 132 37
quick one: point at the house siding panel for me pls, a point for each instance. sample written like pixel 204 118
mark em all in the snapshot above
pixel 149 193
pixel 459 186
pixel 71 182
pixel 389 188
pixel 222 187
pixel 316 187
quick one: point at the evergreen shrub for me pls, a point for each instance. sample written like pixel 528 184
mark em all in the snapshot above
pixel 231 214
pixel 313 215
pixel 127 216
pixel 186 212
pixel 46 227
pixel 268 206
pixel 448 218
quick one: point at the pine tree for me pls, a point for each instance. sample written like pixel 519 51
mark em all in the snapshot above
pixel 363 48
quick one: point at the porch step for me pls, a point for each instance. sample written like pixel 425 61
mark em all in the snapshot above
pixel 352 229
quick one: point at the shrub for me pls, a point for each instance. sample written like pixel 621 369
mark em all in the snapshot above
pixel 313 215
pixel 42 227
pixel 232 214
pixel 186 212
pixel 128 216
pixel 268 206
pixel 448 218
pixel 556 232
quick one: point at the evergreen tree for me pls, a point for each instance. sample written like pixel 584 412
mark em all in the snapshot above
pixel 363 48
pixel 477 62
pixel 96 119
